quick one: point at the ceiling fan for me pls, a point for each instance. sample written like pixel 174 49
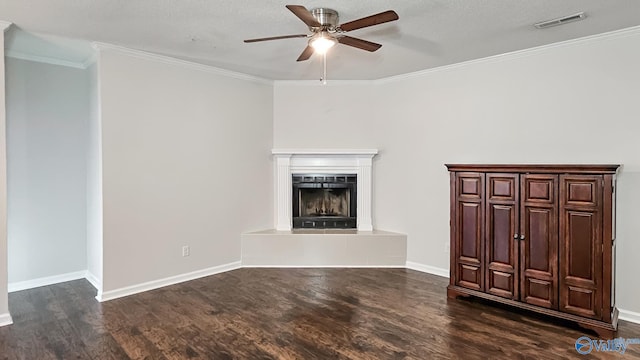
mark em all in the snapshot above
pixel 325 31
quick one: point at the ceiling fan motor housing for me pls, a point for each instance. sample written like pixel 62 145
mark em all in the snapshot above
pixel 327 17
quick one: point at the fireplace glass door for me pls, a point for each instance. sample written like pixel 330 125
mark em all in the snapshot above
pixel 324 201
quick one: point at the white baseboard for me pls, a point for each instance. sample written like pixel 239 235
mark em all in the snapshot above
pixel 629 316
pixel 324 266
pixel 5 319
pixel 155 284
pixel 427 269
pixel 94 281
pixel 44 281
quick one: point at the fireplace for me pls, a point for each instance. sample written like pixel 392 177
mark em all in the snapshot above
pixel 355 163
pixel 324 201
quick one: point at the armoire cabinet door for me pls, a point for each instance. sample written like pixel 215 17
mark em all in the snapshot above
pixel 501 227
pixel 581 250
pixel 469 230
pixel 539 240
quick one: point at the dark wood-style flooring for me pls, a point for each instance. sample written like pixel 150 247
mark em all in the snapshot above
pixel 285 314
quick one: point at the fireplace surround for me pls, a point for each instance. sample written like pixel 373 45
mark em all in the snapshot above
pixel 328 162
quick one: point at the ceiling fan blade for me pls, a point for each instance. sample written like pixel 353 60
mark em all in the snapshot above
pixel 306 53
pixel 359 43
pixel 376 19
pixel 304 15
pixel 276 38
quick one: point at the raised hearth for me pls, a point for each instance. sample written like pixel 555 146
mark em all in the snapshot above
pixel 324 248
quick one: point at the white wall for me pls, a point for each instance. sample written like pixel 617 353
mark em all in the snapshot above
pixel 5 318
pixel 572 103
pixel 94 183
pixel 47 119
pixel 186 161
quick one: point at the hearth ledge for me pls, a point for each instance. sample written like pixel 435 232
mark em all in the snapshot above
pixel 324 248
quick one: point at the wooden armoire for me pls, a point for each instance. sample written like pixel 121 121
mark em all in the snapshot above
pixel 538 237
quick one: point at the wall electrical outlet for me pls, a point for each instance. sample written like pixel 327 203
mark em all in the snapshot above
pixel 185 250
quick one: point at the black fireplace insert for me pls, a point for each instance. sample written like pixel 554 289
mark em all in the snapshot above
pixel 324 201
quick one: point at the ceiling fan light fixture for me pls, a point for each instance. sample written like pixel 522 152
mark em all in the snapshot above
pixel 322 43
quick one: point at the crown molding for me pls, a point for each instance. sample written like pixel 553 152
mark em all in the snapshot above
pixel 635 30
pixel 5 25
pixel 92 59
pixel 322 152
pixel 47 59
pixel 330 83
pixel 174 61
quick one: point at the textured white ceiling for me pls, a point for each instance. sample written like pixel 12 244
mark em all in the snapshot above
pixel 430 33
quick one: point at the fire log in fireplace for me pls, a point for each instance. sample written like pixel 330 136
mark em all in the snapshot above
pixel 324 201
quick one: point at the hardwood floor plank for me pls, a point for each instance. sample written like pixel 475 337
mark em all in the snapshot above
pixel 286 314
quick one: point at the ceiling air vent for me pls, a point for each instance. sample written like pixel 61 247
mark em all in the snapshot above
pixel 561 21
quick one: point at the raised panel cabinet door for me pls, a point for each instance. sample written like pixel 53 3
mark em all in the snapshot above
pixel 469 230
pixel 581 245
pixel 539 240
pixel 501 212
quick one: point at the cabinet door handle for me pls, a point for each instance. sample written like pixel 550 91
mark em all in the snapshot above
pixel 521 237
pixel 515 236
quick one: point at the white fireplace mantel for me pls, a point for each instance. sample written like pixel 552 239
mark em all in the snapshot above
pixel 325 161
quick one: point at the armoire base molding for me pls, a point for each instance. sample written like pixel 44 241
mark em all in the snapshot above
pixel 604 329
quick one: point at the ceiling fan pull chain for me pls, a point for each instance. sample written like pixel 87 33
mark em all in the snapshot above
pixel 324 69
